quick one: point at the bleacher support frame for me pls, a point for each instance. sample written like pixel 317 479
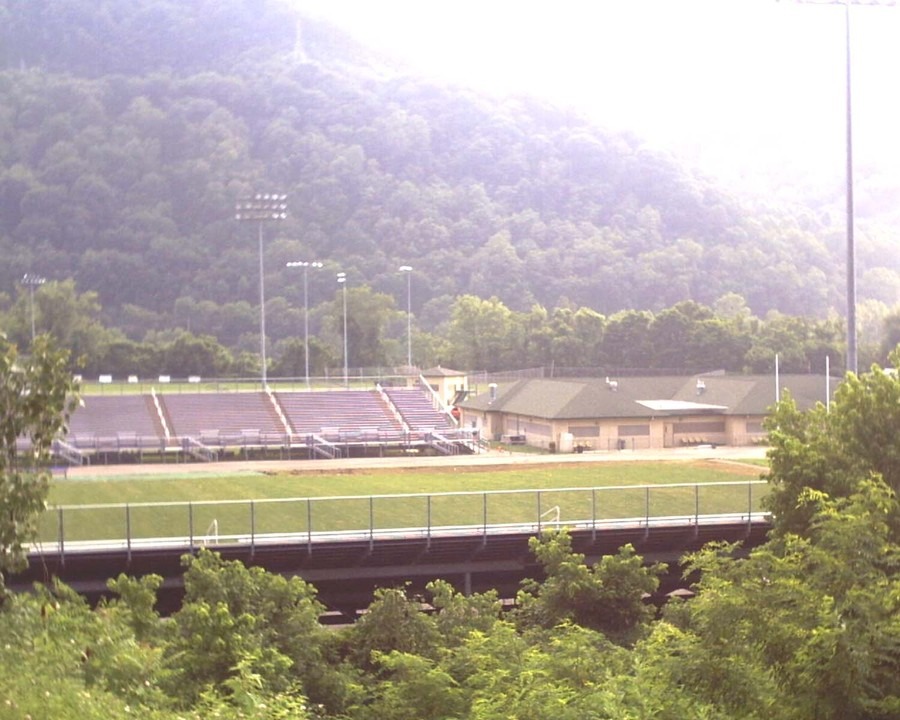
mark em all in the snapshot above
pixel 198 450
pixel 68 452
pixel 441 444
pixel 324 448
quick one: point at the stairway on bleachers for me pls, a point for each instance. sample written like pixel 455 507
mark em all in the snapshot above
pixel 417 411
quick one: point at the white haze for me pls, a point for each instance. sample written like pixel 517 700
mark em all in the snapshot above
pixel 751 91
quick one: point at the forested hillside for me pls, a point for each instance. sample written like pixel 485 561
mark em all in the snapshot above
pixel 129 130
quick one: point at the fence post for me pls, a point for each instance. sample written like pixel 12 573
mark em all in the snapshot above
pixel 749 504
pixel 61 532
pixel 371 523
pixel 191 525
pixel 484 517
pixel 252 528
pixel 309 526
pixel 428 521
pixel 128 530
pixel 647 507
pixel 593 515
pixel 539 525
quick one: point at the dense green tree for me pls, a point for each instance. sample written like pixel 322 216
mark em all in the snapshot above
pixel 417 689
pixel 394 623
pixel 802 628
pixel 608 597
pixel 36 397
pixel 239 619
pixel 483 334
pixel 458 615
pixel 123 358
pixel 832 450
pixel 625 340
pixel 70 317
pixel 191 355
pixel 891 337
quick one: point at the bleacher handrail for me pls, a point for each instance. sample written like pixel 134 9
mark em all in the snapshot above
pixel 198 450
pixel 160 414
pixel 435 398
pixel 68 452
pixel 389 401
pixel 279 411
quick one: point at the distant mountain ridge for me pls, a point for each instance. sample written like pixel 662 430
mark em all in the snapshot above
pixel 127 132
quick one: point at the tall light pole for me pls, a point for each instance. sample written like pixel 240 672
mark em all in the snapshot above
pixel 852 358
pixel 31 281
pixel 306 266
pixel 261 208
pixel 852 364
pixel 408 270
pixel 342 281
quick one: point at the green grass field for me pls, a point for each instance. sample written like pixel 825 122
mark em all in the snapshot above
pixel 236 504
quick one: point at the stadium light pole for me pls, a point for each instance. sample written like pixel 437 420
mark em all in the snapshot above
pixel 342 281
pixel 306 266
pixel 852 355
pixel 261 208
pixel 408 270
pixel 31 281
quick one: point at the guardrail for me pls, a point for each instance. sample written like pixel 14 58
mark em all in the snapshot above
pixel 308 520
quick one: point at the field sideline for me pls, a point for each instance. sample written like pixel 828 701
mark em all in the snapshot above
pixel 233 498
pixel 384 476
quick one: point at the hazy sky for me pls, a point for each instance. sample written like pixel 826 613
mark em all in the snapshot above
pixel 740 87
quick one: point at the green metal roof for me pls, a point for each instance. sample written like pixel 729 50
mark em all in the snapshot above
pixel 624 397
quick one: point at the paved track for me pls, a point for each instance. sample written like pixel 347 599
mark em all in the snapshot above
pixel 493 458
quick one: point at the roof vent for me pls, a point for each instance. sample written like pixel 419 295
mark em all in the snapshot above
pixel 701 387
pixel 612 385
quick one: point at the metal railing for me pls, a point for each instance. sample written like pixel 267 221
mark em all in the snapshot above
pixel 312 519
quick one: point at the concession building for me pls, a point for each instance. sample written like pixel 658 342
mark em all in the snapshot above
pixel 636 412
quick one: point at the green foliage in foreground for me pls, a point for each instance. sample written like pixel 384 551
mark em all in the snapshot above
pixel 802 628
pixel 805 627
pixel 36 396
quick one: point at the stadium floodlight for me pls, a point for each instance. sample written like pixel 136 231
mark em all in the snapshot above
pixel 407 269
pixel 31 281
pixel 261 208
pixel 342 280
pixel 306 266
pixel 852 356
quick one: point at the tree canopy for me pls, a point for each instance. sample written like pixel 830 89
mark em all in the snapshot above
pixel 36 397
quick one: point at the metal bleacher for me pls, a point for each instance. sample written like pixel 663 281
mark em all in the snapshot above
pixel 115 423
pixel 224 419
pixel 335 412
pixel 203 426
pixel 417 410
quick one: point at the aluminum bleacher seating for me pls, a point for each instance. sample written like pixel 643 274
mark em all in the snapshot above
pixel 339 412
pixel 417 411
pixel 223 419
pixel 115 422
